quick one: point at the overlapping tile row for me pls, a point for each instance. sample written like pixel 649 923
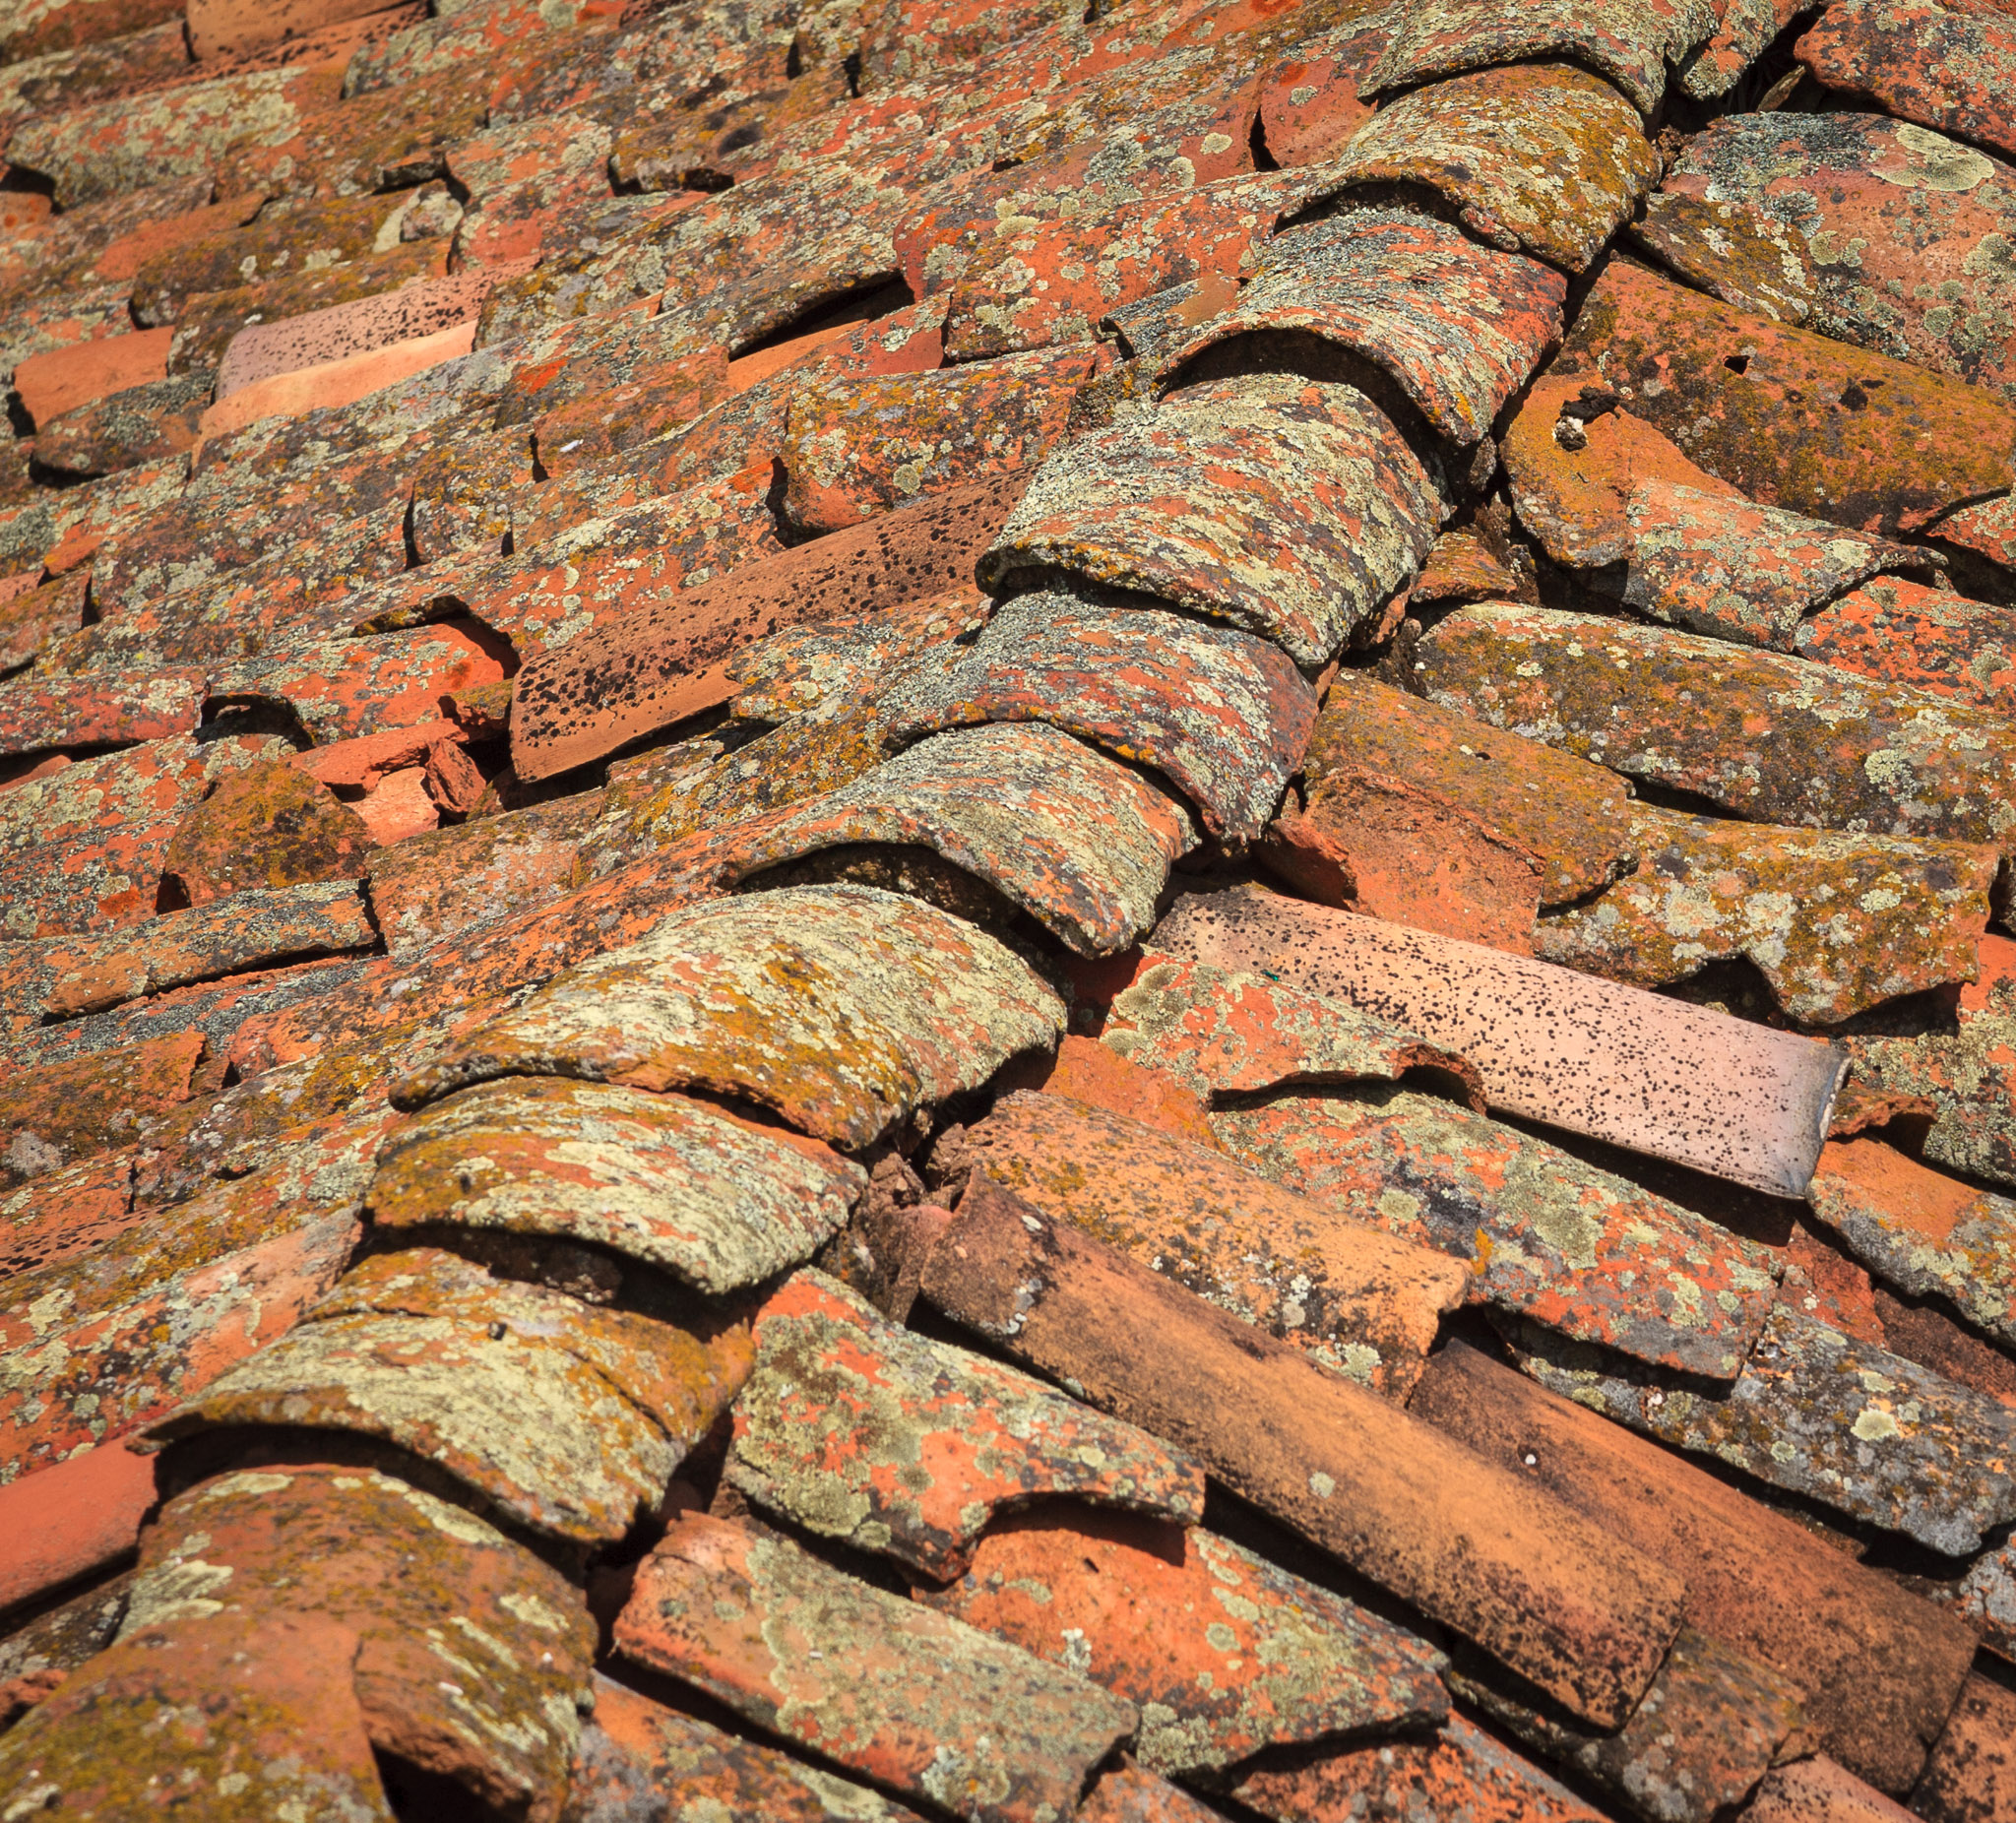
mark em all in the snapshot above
pixel 956 911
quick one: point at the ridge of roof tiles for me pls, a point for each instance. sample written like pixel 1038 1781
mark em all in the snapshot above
pixel 929 912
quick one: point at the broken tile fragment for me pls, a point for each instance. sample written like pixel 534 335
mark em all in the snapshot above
pixel 1836 923
pixel 472 1652
pixel 717 1202
pixel 1222 714
pixel 567 1419
pixel 1722 566
pixel 1079 840
pixel 81 850
pixel 1759 204
pixel 1643 1072
pixel 1464 1544
pixel 1962 1070
pixel 57 1113
pixel 858 445
pixel 1791 418
pixel 841 1007
pixel 881 1687
pixel 1846 1423
pixel 1939 68
pixel 1222 1653
pixel 1876 1667
pixel 1190 505
pixel 1540 1232
pixel 819 669
pixel 1373 743
pixel 607 689
pixel 861 1432
pixel 1458 327
pixel 1365 1304
pixel 1539 157
pixel 1971 1777
pixel 1820 1788
pixel 1771 739
pixel 264 827
pixel 637 1752
pixel 70 1520
pixel 1925 1233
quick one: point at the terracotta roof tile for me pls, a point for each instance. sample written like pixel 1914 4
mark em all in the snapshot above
pixel 878 1685
pixel 561 817
pixel 858 1430
pixel 1392 1501
pixel 1189 505
pixel 1222 1653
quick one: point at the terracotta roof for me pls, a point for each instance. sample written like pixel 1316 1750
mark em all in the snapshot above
pixel 919 911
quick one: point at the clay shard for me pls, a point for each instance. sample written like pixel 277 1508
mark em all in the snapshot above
pixel 1677 1082
pixel 717 1202
pixel 1843 1423
pixel 1071 837
pixel 567 1419
pixel 1224 1652
pixel 1539 157
pixel 842 1007
pixel 609 686
pixel 1790 419
pixel 882 1686
pixel 1768 737
pixel 1761 206
pixel 1925 1233
pixel 1459 327
pixel 1466 1544
pixel 859 1430
pixel 1630 42
pixel 1222 714
pixel 1371 739
pixel 1368 1305
pixel 1939 68
pixel 1192 504
pixel 1836 923
pixel 1225 1034
pixel 1540 1232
